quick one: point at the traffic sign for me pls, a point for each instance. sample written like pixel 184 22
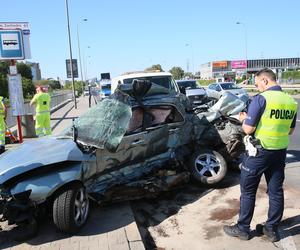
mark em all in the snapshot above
pixel 75 68
pixel 24 27
pixel 11 45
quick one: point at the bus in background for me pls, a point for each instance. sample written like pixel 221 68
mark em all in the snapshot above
pixel 105 85
pixel 105 88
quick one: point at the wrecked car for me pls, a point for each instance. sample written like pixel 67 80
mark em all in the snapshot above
pixel 140 141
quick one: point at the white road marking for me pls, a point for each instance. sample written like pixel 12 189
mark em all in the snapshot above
pixel 298 120
pixel 290 155
pixel 287 242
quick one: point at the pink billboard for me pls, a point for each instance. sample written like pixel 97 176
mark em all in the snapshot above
pixel 239 64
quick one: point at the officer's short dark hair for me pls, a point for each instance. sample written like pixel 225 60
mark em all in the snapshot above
pixel 268 73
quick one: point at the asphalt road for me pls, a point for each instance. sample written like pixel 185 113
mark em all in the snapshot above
pixel 292 173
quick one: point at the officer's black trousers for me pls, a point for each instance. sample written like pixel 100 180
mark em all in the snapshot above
pixel 271 163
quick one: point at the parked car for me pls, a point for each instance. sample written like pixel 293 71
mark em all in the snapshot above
pixel 196 94
pixel 86 92
pixel 216 90
pixel 140 141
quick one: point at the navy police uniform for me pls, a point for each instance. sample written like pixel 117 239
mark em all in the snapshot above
pixel 271 163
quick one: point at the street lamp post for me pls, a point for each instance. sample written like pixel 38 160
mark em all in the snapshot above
pixel 71 59
pixel 80 64
pixel 246 56
pixel 84 63
pixel 190 45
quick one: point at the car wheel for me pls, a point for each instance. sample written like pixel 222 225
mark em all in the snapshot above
pixel 207 167
pixel 71 209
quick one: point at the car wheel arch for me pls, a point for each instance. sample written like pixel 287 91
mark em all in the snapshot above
pixel 61 189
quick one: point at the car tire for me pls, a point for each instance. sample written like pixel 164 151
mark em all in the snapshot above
pixel 71 209
pixel 207 167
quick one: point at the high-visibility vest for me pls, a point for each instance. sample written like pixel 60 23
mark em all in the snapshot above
pixel 274 125
pixel 42 102
pixel 1 107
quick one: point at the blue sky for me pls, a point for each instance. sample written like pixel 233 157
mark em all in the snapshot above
pixel 132 35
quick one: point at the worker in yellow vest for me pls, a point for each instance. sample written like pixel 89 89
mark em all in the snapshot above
pixel 270 119
pixel 2 125
pixel 42 118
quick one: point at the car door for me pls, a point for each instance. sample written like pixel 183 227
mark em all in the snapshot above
pixel 178 129
pixel 131 148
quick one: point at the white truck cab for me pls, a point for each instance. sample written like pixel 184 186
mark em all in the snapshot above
pixel 164 79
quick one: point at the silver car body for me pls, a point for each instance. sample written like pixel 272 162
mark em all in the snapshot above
pixel 216 90
pixel 44 152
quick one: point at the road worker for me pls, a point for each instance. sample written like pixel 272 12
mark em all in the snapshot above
pixel 42 118
pixel 2 125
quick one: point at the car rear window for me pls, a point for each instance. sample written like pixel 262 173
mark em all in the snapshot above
pixel 229 85
pixel 164 81
pixel 188 84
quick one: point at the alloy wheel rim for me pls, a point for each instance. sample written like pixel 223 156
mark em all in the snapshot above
pixel 207 165
pixel 81 207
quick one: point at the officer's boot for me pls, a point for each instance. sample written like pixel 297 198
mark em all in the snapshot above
pixel 2 149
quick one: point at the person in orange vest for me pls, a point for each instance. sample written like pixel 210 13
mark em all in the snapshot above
pixel 42 118
pixel 2 125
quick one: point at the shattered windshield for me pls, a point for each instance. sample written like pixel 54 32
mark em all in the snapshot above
pixel 105 124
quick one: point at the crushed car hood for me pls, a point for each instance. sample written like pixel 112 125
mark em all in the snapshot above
pixel 37 153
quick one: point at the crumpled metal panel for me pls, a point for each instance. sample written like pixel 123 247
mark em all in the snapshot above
pixel 228 104
pixel 125 174
pixel 38 153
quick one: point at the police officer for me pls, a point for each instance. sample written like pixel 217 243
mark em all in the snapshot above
pixel 2 125
pixel 42 118
pixel 271 118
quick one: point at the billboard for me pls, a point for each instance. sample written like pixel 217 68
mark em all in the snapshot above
pixel 105 76
pixel 14 28
pixel 220 64
pixel 75 68
pixel 239 64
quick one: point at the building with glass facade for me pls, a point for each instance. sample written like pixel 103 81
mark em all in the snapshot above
pixel 236 68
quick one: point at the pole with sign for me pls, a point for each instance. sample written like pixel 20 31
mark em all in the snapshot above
pixel 16 98
pixel 14 45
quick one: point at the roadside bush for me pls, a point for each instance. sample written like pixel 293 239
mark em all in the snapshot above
pixel 205 82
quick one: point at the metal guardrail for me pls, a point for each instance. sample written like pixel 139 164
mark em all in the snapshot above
pixel 56 99
pixel 283 86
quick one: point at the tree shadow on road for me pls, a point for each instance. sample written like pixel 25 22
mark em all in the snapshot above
pixel 290 227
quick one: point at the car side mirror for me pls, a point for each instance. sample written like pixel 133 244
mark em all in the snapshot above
pixel 182 90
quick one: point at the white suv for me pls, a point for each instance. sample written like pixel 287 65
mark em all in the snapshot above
pixel 163 79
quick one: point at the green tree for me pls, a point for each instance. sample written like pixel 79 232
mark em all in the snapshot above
pixel 53 84
pixel 188 75
pixel 4 66
pixel 177 72
pixel 24 70
pixel 28 88
pixel 155 67
pixel 78 86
